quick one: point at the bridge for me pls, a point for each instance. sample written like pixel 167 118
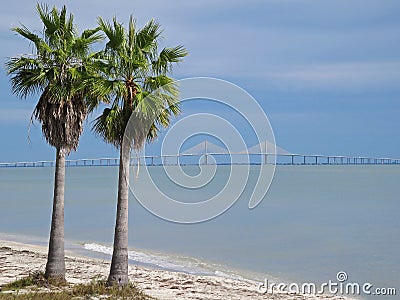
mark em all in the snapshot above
pixel 281 159
pixel 207 153
pixel 254 156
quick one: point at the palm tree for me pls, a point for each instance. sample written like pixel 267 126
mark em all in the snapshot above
pixel 55 71
pixel 133 69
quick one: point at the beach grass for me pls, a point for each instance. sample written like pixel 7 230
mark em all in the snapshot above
pixel 36 279
pixel 36 286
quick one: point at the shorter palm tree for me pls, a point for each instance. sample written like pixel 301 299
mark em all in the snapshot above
pixel 132 70
pixel 56 71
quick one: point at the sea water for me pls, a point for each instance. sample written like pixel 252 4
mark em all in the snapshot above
pixel 314 222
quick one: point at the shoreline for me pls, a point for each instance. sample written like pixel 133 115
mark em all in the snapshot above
pixel 18 260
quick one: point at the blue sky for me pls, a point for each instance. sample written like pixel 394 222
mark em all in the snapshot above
pixel 327 73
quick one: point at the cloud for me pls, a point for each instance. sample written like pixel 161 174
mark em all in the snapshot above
pixel 349 75
pixel 296 44
pixel 15 116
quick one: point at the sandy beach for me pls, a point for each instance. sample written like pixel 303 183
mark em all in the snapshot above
pixel 18 260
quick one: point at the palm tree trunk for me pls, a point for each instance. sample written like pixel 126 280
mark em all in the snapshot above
pixel 119 263
pixel 55 266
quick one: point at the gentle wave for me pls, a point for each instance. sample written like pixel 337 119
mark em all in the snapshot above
pixel 231 276
pixel 179 264
pixel 172 263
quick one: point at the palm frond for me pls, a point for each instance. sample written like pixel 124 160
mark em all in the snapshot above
pixel 115 33
pixel 148 35
pixel 109 126
pixel 131 32
pixel 47 18
pixel 167 57
pixel 26 33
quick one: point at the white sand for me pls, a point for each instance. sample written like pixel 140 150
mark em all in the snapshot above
pixel 18 260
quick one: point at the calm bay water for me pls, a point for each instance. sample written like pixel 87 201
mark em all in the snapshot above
pixel 314 222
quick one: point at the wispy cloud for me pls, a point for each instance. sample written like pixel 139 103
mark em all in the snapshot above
pixel 15 116
pixel 350 75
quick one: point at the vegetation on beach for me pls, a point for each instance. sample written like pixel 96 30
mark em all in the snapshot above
pixel 135 82
pixel 55 70
pixel 36 286
pixel 36 279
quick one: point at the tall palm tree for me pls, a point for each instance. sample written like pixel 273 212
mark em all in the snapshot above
pixel 55 71
pixel 133 69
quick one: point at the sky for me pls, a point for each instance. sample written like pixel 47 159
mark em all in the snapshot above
pixel 326 73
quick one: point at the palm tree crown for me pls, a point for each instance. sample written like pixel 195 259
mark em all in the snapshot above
pixel 133 68
pixel 55 70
